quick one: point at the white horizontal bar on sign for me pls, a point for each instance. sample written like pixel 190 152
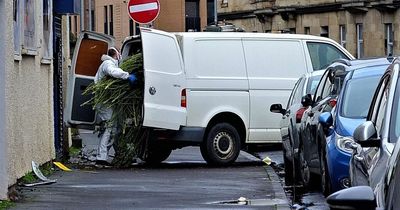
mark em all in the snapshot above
pixel 143 7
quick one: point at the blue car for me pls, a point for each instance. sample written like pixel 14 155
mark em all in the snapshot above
pixel 351 110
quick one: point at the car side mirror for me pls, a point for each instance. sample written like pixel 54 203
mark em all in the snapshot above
pixel 306 100
pixel 277 108
pixel 326 119
pixel 366 135
pixel 360 197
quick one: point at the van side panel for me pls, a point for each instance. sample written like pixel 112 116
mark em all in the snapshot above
pixel 273 67
pixel 216 79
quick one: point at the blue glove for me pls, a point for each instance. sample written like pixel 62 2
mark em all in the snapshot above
pixel 132 80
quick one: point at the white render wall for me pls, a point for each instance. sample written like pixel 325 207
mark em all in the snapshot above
pixel 4 64
pixel 28 103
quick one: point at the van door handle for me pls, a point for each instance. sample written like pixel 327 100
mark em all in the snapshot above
pixel 152 90
pixel 176 85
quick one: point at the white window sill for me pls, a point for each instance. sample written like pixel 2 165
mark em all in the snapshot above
pixel 29 52
pixel 17 57
pixel 46 61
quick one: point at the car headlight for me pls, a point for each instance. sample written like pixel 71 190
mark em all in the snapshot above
pixel 344 143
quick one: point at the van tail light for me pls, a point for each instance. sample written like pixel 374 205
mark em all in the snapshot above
pixel 183 98
pixel 299 114
pixel 333 102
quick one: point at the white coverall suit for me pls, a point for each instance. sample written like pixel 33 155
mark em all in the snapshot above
pixel 109 67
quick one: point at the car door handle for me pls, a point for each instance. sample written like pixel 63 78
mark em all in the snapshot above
pixel 358 158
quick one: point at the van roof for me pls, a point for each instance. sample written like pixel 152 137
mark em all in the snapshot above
pixel 241 35
pixel 249 35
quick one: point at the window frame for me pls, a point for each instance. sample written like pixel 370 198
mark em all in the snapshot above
pixel 389 35
pixel 30 48
pixel 17 26
pixel 360 40
pixel 342 35
pixel 47 54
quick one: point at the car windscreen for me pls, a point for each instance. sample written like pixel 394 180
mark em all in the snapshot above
pixel 312 84
pixel 358 95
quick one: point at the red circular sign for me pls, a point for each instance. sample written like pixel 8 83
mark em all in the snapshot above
pixel 143 11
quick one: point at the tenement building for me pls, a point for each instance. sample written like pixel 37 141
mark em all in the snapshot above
pixel 366 28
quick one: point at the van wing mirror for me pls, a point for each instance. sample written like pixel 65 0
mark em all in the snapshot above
pixel 277 108
pixel 366 135
pixel 306 100
pixel 360 197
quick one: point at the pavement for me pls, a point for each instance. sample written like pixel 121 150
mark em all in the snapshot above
pixel 183 181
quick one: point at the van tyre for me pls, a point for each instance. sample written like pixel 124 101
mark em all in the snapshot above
pixel 222 145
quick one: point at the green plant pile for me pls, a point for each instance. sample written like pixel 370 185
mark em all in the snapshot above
pixel 126 103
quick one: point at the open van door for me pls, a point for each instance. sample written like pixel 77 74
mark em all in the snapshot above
pixel 164 80
pixel 86 60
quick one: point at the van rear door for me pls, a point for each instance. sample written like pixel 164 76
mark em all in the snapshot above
pixel 164 80
pixel 85 62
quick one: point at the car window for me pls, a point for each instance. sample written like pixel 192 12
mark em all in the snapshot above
pixel 379 104
pixel 395 121
pixel 290 102
pixel 323 54
pixel 299 92
pixel 321 85
pixel 312 84
pixel 357 96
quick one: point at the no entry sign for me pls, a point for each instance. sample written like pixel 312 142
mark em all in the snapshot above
pixel 143 11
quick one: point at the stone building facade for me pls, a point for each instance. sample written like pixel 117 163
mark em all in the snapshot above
pixel 26 88
pixel 367 28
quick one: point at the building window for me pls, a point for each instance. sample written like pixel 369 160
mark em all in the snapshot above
pixel 292 30
pixel 131 27
pixel 111 20
pixel 105 19
pixel 389 34
pixel 324 31
pixel 360 40
pixel 342 35
pixel 17 27
pixel 47 29
pixel 29 25
pixel 307 30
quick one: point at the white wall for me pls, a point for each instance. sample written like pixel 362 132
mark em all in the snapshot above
pixel 3 139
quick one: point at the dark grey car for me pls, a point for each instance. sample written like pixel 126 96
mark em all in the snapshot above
pixel 289 123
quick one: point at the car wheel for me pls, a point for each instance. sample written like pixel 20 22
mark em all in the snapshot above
pixel 288 164
pixel 155 155
pixel 305 174
pixel 325 180
pixel 222 145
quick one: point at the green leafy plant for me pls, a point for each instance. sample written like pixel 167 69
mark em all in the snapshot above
pixel 126 103
pixel 6 204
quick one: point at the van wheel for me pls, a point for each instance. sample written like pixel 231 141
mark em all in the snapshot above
pixel 156 155
pixel 222 145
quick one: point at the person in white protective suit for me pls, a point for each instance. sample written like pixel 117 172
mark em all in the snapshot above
pixel 109 67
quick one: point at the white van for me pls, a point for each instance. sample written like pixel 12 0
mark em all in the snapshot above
pixel 206 89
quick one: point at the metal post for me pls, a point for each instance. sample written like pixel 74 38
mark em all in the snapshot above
pixel 90 16
pixel 215 12
pixel 82 14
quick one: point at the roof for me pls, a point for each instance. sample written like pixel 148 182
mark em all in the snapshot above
pixel 251 35
pixel 359 63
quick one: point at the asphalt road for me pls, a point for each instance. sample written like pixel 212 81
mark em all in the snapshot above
pixel 184 181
